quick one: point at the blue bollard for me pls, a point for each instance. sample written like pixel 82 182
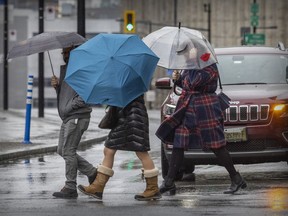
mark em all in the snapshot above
pixel 28 110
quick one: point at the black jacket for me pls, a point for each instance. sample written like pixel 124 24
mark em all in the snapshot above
pixel 132 130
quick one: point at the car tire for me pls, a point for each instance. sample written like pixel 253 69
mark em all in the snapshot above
pixel 190 169
pixel 165 166
pixel 179 175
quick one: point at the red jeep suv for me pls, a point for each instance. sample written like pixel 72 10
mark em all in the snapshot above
pixel 256 123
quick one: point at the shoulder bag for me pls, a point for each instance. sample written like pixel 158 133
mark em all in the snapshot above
pixel 110 119
pixel 223 98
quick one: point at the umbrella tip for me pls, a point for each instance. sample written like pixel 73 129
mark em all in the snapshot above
pixel 179 25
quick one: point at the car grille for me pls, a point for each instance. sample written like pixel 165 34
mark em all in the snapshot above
pixel 252 145
pixel 244 113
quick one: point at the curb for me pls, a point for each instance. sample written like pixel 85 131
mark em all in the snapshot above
pixel 48 149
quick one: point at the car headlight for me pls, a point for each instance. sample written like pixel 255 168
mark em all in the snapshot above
pixel 168 109
pixel 281 109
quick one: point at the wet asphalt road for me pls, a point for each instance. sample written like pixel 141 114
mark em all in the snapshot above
pixel 27 185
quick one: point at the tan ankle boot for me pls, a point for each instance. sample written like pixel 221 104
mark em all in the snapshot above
pixel 152 191
pixel 97 187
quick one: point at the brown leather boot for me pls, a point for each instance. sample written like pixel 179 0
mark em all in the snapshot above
pixel 97 187
pixel 152 191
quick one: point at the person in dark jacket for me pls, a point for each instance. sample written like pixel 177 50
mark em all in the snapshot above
pixel 198 119
pixel 75 115
pixel 130 134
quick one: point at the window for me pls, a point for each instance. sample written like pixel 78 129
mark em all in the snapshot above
pixel 245 69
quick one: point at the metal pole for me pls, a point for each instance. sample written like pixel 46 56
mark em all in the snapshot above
pixel 175 12
pixel 5 69
pixel 254 27
pixel 81 17
pixel 209 23
pixel 41 64
pixel 150 26
pixel 28 110
pixel 207 8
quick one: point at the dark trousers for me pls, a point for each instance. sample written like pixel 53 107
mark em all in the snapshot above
pixel 223 157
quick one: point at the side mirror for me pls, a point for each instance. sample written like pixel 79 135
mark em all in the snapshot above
pixel 163 83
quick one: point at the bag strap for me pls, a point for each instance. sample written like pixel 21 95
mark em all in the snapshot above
pixel 220 84
pixel 174 89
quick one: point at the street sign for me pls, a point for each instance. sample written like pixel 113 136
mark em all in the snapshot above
pixel 254 39
pixel 254 8
pixel 254 23
pixel 254 20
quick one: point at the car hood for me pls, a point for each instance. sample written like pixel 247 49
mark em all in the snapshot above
pixel 248 91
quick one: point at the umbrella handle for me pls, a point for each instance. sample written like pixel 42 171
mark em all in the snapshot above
pixel 51 63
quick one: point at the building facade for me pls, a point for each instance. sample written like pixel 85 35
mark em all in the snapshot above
pixel 229 21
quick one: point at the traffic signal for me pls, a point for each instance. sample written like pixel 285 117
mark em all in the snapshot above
pixel 129 21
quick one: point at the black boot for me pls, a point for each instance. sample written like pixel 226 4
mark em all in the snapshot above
pixel 66 193
pixel 237 182
pixel 168 185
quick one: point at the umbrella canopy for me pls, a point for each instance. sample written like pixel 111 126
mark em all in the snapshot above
pixel 44 42
pixel 181 48
pixel 111 69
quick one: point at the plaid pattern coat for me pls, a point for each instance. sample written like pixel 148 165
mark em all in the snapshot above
pixel 198 119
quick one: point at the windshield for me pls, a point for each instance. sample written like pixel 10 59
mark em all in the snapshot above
pixel 253 69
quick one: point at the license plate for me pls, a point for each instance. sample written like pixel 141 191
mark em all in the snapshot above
pixel 235 134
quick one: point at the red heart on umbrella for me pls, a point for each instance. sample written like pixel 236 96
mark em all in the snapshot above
pixel 205 57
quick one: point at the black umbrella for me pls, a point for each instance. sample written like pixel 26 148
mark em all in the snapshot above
pixel 44 42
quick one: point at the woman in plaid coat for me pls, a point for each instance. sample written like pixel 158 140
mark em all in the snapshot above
pixel 198 119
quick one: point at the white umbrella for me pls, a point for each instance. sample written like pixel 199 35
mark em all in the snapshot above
pixel 44 42
pixel 181 48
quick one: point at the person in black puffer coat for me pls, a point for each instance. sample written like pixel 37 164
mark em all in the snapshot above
pixel 130 134
pixel 132 130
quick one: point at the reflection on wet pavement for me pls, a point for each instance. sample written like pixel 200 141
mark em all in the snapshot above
pixel 277 198
pixel 32 181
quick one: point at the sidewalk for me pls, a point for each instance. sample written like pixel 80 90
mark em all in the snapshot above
pixel 44 132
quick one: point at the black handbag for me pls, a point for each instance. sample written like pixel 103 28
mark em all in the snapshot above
pixel 223 98
pixel 110 119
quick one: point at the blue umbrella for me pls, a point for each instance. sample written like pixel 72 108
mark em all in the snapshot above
pixel 111 69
